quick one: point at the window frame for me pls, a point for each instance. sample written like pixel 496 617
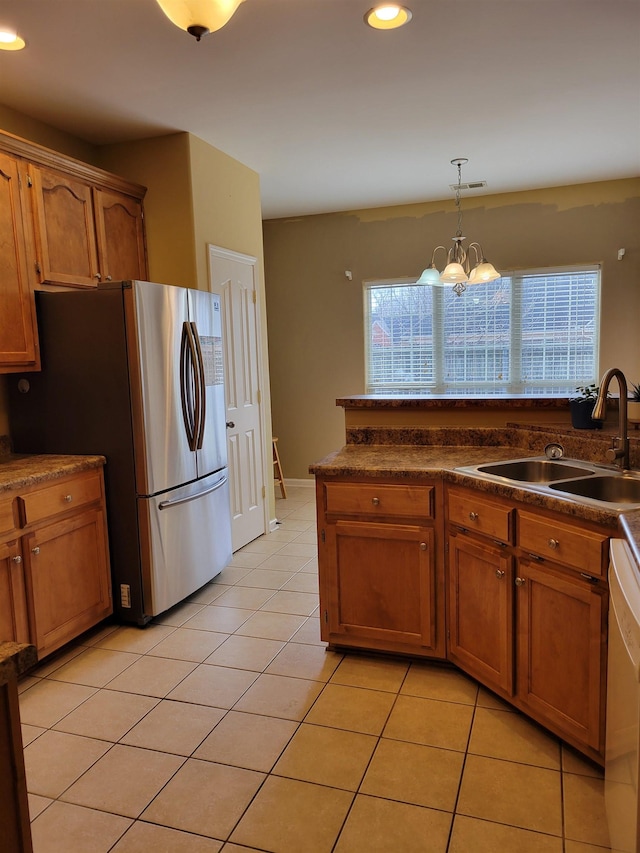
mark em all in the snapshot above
pixel 516 386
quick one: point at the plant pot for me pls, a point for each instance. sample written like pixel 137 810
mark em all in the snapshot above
pixel 633 411
pixel 581 414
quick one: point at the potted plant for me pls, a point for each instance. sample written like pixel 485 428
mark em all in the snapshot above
pixel 581 407
pixel 633 403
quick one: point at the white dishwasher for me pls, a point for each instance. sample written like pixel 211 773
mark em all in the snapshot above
pixel 623 701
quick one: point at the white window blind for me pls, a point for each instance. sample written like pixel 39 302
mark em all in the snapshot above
pixel 529 332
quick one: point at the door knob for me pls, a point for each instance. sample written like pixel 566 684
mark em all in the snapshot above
pixel 230 424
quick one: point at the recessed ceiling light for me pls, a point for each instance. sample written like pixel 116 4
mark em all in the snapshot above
pixel 10 41
pixel 387 16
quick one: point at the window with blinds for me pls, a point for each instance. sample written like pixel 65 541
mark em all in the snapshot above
pixel 529 332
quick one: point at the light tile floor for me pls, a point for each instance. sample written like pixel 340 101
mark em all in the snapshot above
pixel 226 725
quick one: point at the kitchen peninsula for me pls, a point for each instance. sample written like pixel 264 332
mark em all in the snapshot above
pixel 506 581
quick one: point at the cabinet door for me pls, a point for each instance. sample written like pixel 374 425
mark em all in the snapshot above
pixel 561 651
pixel 14 624
pixel 120 233
pixel 64 229
pixel 381 584
pixel 68 578
pixel 481 611
pixel 17 316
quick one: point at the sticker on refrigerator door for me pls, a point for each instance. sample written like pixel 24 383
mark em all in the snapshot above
pixel 211 347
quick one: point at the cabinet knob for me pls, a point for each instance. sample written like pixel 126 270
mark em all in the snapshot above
pixel 97 276
pixel 375 501
pixel 473 516
pixel 423 546
pixel 68 498
pixel 108 278
pixel 520 581
pixel 553 544
pixel 35 550
pixel 17 559
pixel 499 574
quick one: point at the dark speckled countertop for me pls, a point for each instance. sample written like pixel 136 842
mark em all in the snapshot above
pixel 415 453
pixel 15 659
pixel 18 471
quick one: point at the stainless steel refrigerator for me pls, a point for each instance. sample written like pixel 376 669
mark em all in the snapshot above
pixel 133 371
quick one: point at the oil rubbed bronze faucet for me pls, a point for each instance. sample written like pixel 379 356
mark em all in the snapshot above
pixel 619 450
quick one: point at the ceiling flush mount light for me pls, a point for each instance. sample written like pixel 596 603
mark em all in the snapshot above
pixel 10 41
pixel 458 270
pixel 387 16
pixel 199 17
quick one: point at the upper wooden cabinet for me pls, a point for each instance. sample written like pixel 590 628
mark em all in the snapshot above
pixel 63 223
pixel 17 317
pixel 64 228
pixel 120 236
pixel 85 234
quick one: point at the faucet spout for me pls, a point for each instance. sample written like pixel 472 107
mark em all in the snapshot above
pixel 619 451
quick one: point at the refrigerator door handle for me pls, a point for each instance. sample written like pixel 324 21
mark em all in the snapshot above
pixel 167 504
pixel 199 372
pixel 189 414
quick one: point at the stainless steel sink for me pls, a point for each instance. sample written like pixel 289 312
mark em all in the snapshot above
pixel 614 489
pixel 535 470
pixel 585 482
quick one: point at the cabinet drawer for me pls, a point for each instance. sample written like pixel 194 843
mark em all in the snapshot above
pixel 59 497
pixel 567 544
pixel 7 520
pixel 380 500
pixel 473 512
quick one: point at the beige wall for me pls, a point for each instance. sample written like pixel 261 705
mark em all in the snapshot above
pixel 36 131
pixel 315 314
pixel 162 165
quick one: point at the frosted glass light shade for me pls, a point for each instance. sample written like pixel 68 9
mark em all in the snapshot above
pixel 453 273
pixel 199 15
pixel 482 273
pixel 429 276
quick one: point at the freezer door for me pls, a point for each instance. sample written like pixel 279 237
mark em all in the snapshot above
pixel 186 540
pixel 205 317
pixel 162 382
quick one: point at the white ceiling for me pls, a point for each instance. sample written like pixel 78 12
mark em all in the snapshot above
pixel 334 115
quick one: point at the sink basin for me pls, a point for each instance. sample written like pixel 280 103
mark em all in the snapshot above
pixel 621 489
pixel 535 470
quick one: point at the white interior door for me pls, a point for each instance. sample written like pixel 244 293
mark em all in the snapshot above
pixel 233 277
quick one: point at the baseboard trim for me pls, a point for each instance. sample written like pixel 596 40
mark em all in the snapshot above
pixel 309 484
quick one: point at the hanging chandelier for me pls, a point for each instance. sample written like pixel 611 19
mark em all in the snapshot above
pixel 199 17
pixel 458 270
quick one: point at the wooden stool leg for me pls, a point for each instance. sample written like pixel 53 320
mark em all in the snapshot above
pixel 279 478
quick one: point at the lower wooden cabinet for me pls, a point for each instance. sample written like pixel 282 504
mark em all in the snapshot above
pixel 69 583
pixel 381 573
pixel 55 578
pixel 14 621
pixel 561 630
pixel 380 583
pixel 525 611
pixel 480 611
pixel 527 617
